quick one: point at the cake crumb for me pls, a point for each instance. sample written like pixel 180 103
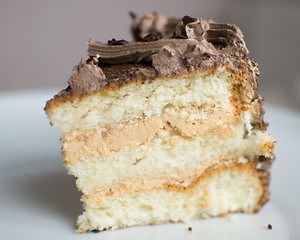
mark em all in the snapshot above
pixel 270 226
pixel 190 228
pixel 232 218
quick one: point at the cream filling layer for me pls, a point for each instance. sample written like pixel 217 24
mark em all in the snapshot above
pixel 175 125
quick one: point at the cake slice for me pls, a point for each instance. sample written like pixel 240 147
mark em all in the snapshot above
pixel 165 129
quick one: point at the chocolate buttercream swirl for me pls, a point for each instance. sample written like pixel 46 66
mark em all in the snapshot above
pixel 135 51
pixel 221 35
pixel 190 41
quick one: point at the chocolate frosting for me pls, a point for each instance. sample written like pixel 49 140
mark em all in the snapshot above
pixel 164 47
pixel 191 40
pixel 86 76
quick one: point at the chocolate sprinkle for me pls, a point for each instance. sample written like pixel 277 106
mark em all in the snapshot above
pixel 187 19
pixel 132 14
pixel 115 42
pixel 151 37
pixel 179 37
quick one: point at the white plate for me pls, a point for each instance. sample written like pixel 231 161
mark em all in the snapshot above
pixel 38 200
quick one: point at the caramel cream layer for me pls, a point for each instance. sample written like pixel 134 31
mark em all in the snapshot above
pixel 176 185
pixel 181 179
pixel 175 125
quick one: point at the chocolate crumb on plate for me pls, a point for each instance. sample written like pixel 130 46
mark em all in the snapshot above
pixel 270 226
pixel 190 228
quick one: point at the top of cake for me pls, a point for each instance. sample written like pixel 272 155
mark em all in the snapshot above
pixel 164 47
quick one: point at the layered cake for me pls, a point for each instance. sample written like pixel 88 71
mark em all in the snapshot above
pixel 167 128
